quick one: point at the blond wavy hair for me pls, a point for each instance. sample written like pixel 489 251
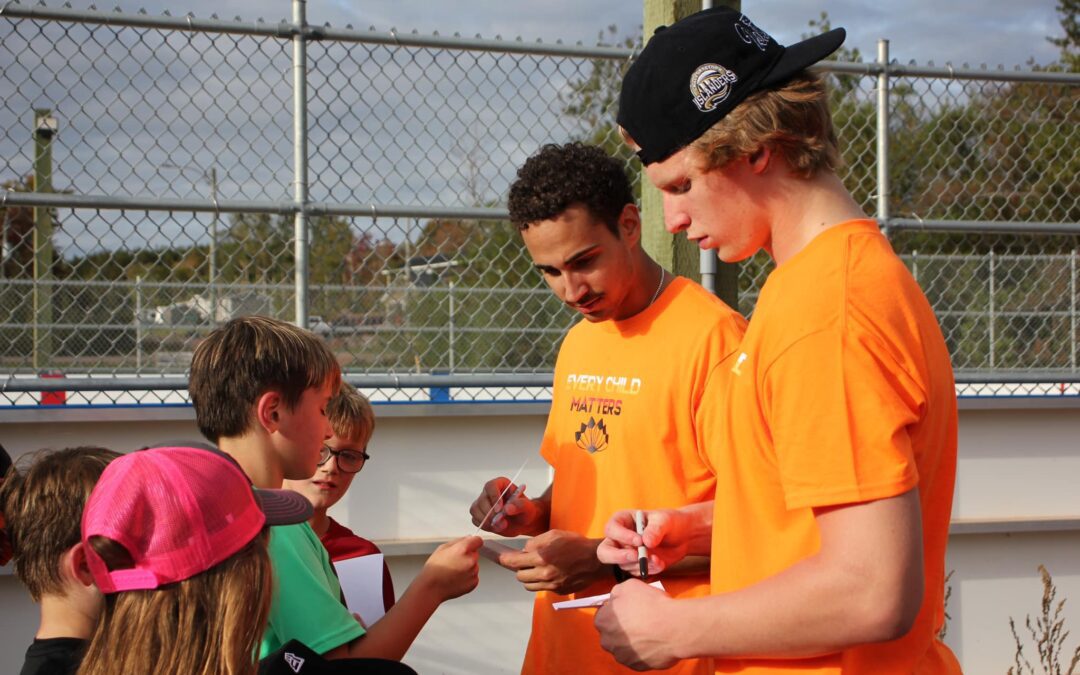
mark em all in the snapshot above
pixel 792 120
pixel 351 415
pixel 209 624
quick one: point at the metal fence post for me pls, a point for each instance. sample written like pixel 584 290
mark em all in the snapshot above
pixel 212 272
pixel 138 323
pixel 450 296
pixel 300 167
pixel 1072 308
pixel 883 134
pixel 707 260
pixel 990 311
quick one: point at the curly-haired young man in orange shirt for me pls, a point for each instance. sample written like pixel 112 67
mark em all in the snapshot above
pixel 629 391
pixel 835 456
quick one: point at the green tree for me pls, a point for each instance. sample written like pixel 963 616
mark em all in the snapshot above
pixel 592 102
pixel 332 242
pixel 840 85
pixel 257 249
pixel 475 280
pixel 1069 44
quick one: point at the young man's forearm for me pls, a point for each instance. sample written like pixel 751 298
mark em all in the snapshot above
pixel 803 612
pixel 859 588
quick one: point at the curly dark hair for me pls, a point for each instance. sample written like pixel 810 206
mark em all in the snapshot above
pixel 560 176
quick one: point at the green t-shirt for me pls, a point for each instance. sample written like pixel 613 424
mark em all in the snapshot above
pixel 306 603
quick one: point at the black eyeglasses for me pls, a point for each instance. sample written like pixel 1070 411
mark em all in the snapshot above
pixel 348 461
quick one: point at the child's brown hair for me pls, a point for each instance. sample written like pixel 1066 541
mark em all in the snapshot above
pixel 42 500
pixel 248 356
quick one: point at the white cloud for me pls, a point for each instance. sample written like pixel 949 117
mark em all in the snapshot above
pixel 975 31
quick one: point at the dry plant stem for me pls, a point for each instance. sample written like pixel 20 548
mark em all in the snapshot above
pixel 1048 633
pixel 945 609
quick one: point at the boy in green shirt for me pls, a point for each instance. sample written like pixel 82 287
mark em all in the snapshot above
pixel 260 388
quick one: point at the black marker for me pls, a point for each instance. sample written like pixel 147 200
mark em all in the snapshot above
pixel 643 554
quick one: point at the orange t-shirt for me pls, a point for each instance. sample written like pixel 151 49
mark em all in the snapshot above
pixel 841 392
pixel 623 433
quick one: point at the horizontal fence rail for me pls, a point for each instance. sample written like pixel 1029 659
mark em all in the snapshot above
pixel 150 167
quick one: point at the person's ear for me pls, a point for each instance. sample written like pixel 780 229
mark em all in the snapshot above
pixel 268 409
pixel 759 160
pixel 74 561
pixel 630 224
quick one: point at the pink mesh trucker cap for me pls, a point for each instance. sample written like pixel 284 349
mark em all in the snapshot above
pixel 178 511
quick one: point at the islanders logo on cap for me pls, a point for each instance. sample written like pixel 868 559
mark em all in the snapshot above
pixel 710 84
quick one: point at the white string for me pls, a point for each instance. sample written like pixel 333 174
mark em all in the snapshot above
pixel 513 481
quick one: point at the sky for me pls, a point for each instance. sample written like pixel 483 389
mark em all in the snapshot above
pixel 99 102
pixel 974 31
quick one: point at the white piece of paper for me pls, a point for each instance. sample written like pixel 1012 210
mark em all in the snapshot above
pixel 593 600
pixel 492 549
pixel 362 583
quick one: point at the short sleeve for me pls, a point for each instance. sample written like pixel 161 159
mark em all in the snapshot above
pixel 549 444
pixel 839 410
pixel 710 413
pixel 306 603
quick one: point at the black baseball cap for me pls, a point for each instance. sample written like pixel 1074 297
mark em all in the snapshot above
pixel 695 71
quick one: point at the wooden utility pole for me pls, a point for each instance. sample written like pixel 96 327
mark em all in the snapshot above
pixel 675 252
pixel 45 128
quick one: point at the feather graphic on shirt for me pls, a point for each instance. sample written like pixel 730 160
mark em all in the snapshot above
pixel 592 437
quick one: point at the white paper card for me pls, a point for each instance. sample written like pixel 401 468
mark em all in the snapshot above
pixel 593 600
pixel 493 549
pixel 362 583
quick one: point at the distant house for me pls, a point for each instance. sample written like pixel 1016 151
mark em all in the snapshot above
pixel 417 272
pixel 200 309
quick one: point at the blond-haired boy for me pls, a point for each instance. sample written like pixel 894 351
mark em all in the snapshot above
pixel 344 455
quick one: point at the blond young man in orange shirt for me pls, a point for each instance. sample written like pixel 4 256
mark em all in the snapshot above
pixel 628 393
pixel 835 456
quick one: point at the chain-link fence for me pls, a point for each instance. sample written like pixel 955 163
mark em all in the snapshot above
pixel 158 170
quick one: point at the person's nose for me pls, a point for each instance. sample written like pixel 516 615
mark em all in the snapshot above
pixel 574 288
pixel 675 219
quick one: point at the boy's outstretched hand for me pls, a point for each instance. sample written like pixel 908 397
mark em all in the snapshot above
pixel 453 569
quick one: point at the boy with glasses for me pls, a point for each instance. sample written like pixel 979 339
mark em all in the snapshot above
pixel 343 456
